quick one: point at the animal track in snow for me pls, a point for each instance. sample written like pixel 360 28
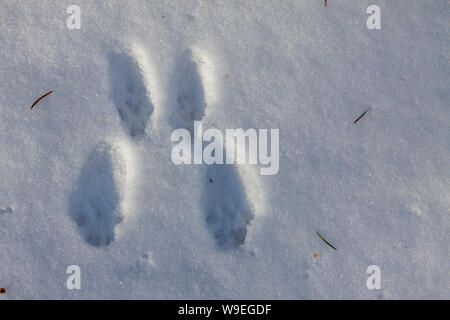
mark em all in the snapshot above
pixel 130 88
pixel 97 202
pixel 229 206
pixel 192 73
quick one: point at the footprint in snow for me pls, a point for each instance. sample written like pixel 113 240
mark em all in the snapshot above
pixel 130 92
pixel 227 207
pixel 96 202
pixel 190 104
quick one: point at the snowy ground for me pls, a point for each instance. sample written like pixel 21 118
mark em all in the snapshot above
pixel 86 177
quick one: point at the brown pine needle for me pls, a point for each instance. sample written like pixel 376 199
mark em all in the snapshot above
pixel 42 97
pixel 361 116
pixel 320 236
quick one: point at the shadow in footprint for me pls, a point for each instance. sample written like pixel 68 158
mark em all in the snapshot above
pixel 227 209
pixel 190 98
pixel 130 93
pixel 95 204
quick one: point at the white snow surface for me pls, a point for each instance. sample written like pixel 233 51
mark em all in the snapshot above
pixel 86 177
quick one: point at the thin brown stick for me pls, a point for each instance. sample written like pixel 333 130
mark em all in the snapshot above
pixel 320 236
pixel 32 106
pixel 361 116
